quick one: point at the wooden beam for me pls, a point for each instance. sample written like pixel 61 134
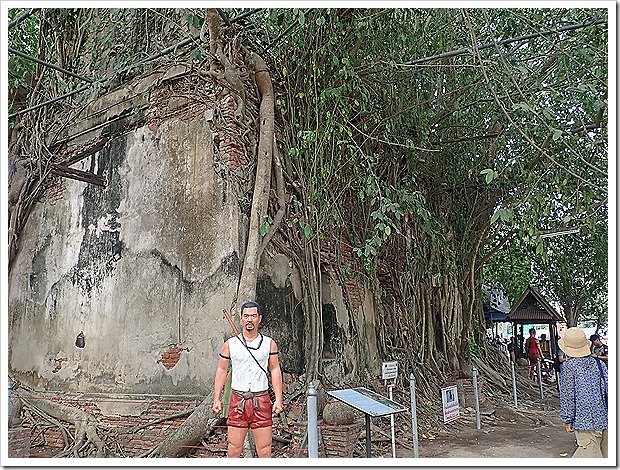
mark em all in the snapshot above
pixel 84 153
pixel 71 173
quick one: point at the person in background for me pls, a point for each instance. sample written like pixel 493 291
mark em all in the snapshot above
pixel 599 349
pixel 532 349
pixel 512 346
pixel 544 345
pixel 583 408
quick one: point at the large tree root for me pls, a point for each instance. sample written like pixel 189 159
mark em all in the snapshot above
pixel 85 424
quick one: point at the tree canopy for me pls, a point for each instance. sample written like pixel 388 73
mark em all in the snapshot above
pixel 424 142
pixel 416 153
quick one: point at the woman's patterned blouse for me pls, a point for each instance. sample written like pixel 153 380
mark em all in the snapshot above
pixel 581 394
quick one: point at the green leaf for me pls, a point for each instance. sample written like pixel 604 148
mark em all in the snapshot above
pixel 523 105
pixel 489 175
pixel 494 217
pixel 264 229
pixel 505 215
pixel 557 133
pixel 308 231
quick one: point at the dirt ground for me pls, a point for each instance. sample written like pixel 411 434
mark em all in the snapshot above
pixel 533 430
pixel 504 436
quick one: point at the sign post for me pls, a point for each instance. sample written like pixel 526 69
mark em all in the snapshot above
pixel 389 370
pixel 369 403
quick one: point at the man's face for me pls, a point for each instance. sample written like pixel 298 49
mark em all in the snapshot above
pixel 597 342
pixel 250 319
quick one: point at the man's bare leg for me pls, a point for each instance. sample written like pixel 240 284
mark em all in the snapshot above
pixel 236 436
pixel 262 439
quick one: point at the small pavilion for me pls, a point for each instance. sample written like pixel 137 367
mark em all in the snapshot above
pixel 533 308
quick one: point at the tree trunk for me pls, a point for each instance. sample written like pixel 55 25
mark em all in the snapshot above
pixel 570 313
pixel 260 200
pixel 199 423
pixel 196 427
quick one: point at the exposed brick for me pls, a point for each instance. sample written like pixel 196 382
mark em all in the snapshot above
pixel 47 440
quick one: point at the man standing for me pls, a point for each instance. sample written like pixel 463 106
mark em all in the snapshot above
pixel 583 407
pixel 512 347
pixel 599 349
pixel 532 348
pixel 250 406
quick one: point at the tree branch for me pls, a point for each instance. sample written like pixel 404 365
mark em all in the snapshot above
pixel 466 50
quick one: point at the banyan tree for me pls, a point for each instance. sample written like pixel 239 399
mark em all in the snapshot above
pixel 350 169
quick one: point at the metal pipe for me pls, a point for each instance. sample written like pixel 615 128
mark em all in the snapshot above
pixel 243 16
pixel 288 30
pixel 47 64
pixel 391 388
pixel 313 436
pixel 414 416
pixel 22 17
pixel 505 41
pixel 105 79
pixel 540 385
pixel 368 440
pixel 476 404
pixel 514 382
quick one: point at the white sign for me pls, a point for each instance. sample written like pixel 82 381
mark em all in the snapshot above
pixel 450 399
pixel 389 370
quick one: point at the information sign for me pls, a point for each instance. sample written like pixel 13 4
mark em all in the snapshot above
pixel 450 400
pixel 367 401
pixel 389 370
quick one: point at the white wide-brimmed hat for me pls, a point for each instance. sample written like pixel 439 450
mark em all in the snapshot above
pixel 574 343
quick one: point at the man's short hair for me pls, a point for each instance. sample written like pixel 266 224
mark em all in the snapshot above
pixel 594 337
pixel 251 304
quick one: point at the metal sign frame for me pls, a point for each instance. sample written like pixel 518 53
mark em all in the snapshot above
pixel 369 403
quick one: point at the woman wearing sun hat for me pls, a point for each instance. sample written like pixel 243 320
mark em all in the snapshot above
pixel 583 407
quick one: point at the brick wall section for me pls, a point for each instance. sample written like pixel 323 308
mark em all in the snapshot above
pixel 46 440
pixel 465 390
pixel 354 288
pixel 19 442
pixel 230 148
pixel 170 357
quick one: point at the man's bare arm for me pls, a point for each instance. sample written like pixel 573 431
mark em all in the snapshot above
pixel 276 378
pixel 220 377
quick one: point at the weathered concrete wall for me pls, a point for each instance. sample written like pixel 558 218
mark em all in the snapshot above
pixel 142 267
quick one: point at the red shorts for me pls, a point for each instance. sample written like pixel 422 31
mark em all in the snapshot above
pixel 250 418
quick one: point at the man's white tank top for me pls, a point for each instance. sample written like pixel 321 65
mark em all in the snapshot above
pixel 246 375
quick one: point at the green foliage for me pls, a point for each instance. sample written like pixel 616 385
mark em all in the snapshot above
pixel 575 271
pixel 266 226
pixel 474 349
pixel 23 37
pixel 420 167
